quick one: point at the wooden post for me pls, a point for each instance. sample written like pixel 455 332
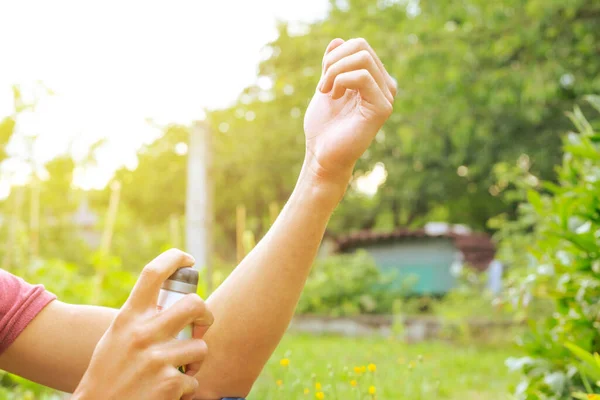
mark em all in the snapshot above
pixel 111 217
pixel 34 219
pixel 12 253
pixel 107 234
pixel 198 210
pixel 240 228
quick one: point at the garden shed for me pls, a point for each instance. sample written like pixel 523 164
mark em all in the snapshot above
pixel 425 256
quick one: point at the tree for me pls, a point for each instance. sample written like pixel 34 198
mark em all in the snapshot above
pixel 480 82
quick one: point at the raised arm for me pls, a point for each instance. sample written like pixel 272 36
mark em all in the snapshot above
pixel 254 306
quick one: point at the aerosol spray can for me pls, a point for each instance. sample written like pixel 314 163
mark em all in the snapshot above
pixel 182 282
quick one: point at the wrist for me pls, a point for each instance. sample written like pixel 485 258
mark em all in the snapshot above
pixel 327 186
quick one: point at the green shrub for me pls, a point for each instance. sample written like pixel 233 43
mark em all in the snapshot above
pixel 554 251
pixel 347 284
pixel 71 284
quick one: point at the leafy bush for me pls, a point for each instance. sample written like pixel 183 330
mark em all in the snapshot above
pixel 554 248
pixel 347 284
pixel 71 284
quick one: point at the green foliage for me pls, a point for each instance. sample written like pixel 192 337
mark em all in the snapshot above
pixel 554 256
pixel 480 84
pixel 348 284
pixel 589 368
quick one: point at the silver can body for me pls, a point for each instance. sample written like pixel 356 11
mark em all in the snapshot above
pixel 166 298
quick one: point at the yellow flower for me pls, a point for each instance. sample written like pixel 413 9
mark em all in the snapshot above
pixel 320 395
pixel 593 397
pixel 306 391
pixel 372 367
pixel 284 362
pixel 363 369
pixel 372 390
pixel 357 370
pixel 353 383
pixel 279 382
pixel 317 386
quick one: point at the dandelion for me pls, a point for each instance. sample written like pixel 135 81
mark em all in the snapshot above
pixel 317 386
pixel 357 370
pixel 372 390
pixel 284 362
pixel 279 382
pixel 372 367
pixel 353 383
pixel 320 395
pixel 363 369
pixel 306 391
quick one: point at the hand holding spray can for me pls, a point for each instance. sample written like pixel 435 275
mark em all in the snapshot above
pixel 182 282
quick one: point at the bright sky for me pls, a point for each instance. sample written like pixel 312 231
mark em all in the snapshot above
pixel 114 64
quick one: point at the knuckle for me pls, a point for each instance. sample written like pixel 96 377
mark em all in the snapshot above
pixel 364 76
pixel 151 273
pixel 387 109
pixel 156 357
pixel 140 338
pixel 361 42
pixel 365 56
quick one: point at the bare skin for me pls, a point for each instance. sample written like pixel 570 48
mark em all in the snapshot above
pixel 352 101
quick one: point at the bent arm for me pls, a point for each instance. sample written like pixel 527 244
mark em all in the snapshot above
pixel 254 306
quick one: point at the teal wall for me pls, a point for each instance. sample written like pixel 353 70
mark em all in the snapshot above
pixel 427 259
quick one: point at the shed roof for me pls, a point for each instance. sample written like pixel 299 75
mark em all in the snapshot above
pixel 477 249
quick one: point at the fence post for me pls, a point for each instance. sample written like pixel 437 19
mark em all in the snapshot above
pixel 198 210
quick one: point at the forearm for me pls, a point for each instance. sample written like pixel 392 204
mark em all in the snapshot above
pixel 254 306
pixel 56 347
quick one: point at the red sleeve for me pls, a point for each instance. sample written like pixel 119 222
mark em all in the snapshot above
pixel 20 302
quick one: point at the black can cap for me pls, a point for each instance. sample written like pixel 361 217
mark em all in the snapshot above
pixel 186 275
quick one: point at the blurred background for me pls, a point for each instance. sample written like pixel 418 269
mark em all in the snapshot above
pixel 463 261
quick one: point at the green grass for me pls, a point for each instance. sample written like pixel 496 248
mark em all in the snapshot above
pixel 404 371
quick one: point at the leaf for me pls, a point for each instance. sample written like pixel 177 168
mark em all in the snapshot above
pixel 591 366
pixel 535 200
pixel 594 101
pixel 579 120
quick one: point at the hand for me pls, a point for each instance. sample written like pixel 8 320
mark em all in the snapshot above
pixel 137 358
pixel 353 100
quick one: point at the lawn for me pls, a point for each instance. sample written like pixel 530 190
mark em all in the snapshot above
pixel 401 371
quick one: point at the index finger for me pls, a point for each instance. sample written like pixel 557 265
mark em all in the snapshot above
pixel 145 291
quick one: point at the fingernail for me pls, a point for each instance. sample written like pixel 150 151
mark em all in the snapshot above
pixel 320 85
